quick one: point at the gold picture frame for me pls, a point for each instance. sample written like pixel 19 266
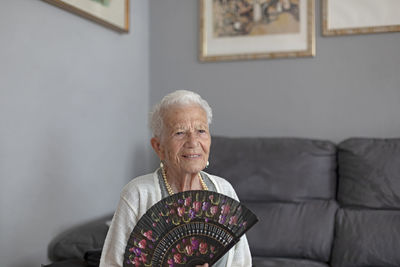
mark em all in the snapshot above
pixel 347 17
pixel 113 14
pixel 280 29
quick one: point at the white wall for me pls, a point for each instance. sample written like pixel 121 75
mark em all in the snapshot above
pixel 73 109
pixel 350 88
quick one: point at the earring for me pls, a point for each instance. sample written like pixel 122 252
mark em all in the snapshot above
pixel 161 165
pixel 208 163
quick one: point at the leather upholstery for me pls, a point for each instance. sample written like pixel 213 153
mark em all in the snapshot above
pixel 319 204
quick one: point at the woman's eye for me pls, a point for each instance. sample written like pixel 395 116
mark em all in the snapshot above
pixel 202 131
pixel 179 133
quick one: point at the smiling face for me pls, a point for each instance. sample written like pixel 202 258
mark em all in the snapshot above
pixel 184 144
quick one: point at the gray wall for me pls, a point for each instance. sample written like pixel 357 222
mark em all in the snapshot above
pixel 73 106
pixel 351 87
pixel 74 98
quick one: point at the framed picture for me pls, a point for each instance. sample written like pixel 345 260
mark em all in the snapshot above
pixel 111 13
pixel 256 29
pixel 344 17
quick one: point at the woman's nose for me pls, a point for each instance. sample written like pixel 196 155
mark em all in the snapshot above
pixel 192 140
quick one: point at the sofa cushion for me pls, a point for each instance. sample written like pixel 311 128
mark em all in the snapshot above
pixel 73 243
pixel 280 169
pixel 369 171
pixel 293 230
pixel 366 238
pixel 280 262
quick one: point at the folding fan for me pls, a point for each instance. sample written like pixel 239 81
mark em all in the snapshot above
pixel 187 229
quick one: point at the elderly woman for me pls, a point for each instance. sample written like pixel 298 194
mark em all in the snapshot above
pixel 182 140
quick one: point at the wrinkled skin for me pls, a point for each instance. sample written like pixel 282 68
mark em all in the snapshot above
pixel 183 146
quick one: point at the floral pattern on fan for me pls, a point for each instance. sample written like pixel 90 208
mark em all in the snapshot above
pixel 191 226
pixel 189 247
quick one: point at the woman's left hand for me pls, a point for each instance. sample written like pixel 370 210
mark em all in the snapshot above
pixel 204 265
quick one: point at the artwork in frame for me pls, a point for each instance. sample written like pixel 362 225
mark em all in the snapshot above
pixel 256 29
pixel 110 13
pixel 345 17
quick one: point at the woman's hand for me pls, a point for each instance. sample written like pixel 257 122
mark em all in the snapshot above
pixel 204 265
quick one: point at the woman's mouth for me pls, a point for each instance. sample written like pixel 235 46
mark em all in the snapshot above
pixel 191 156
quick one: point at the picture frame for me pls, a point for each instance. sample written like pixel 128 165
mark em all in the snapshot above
pixel 113 14
pixel 347 17
pixel 272 30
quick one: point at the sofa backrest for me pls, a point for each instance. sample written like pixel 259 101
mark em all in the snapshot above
pixel 368 223
pixel 290 184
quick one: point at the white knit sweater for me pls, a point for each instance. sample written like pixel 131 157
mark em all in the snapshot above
pixel 136 198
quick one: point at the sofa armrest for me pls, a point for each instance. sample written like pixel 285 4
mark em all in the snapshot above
pixel 73 243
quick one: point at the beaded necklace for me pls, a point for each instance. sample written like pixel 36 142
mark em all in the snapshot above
pixel 169 188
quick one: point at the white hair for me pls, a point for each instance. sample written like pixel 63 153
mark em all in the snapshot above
pixel 179 97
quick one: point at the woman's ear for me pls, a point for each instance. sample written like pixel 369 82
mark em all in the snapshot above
pixel 156 144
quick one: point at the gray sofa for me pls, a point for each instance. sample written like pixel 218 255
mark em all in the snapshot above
pixel 319 204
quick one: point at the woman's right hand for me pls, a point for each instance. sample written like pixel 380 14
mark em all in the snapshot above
pixel 204 265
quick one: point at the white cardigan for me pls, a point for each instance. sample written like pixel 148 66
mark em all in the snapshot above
pixel 136 198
